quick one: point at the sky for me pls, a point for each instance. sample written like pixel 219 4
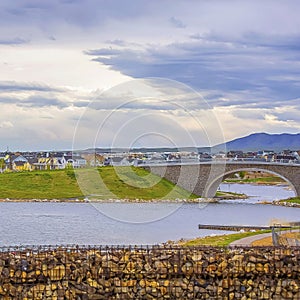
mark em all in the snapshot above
pixel 123 73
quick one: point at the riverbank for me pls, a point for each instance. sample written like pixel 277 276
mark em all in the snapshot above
pixel 268 179
pixel 290 202
pixel 126 200
pixel 245 239
pixel 222 240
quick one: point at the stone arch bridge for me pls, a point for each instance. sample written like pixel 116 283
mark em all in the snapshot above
pixel 203 179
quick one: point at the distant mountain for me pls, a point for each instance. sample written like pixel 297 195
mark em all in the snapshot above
pixel 252 142
pixel 145 150
pixel 265 141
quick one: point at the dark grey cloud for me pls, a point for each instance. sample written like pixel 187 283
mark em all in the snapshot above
pixel 81 13
pixel 35 101
pixel 217 64
pixel 38 101
pixel 177 22
pixel 13 41
pixel 254 39
pixel 117 42
pixel 13 86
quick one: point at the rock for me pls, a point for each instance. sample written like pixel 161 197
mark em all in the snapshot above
pixel 197 257
pixel 212 259
pixel 130 283
pixel 211 269
pixel 259 267
pixel 225 283
pixel 93 283
pixel 238 257
pixel 131 267
pixel 222 266
pixel 250 267
pixel 187 268
pixel 163 290
pixel 286 294
pixel 57 273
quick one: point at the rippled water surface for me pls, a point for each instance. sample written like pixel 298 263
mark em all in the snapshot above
pixel 83 223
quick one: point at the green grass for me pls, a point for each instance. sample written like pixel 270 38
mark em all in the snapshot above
pixel 129 183
pixel 106 182
pixel 221 240
pixel 230 195
pixel 267 180
pixel 292 200
pixel 39 185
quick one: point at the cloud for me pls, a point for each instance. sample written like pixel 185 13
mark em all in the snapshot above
pixel 242 57
pixel 84 14
pixel 13 41
pixel 35 101
pixel 13 86
pixel 6 124
pixel 177 23
pixel 208 66
pixel 38 101
pixel 38 128
pixel 38 95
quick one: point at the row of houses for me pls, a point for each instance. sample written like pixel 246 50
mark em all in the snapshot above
pixel 123 159
pixel 267 155
pixel 39 161
pixel 28 161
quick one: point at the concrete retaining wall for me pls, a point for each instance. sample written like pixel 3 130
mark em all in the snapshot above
pixel 150 273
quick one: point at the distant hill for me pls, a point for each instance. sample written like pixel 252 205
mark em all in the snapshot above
pixel 252 142
pixel 145 150
pixel 265 141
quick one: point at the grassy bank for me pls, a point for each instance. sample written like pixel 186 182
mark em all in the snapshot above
pixel 230 195
pixel 130 183
pixel 258 180
pixel 220 240
pixel 291 200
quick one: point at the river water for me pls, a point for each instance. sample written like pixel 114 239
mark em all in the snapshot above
pixel 31 223
pixel 259 193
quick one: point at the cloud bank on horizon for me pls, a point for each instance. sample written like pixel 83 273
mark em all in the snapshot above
pixel 242 57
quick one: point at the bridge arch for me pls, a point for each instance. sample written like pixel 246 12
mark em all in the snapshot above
pixel 213 186
pixel 206 177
